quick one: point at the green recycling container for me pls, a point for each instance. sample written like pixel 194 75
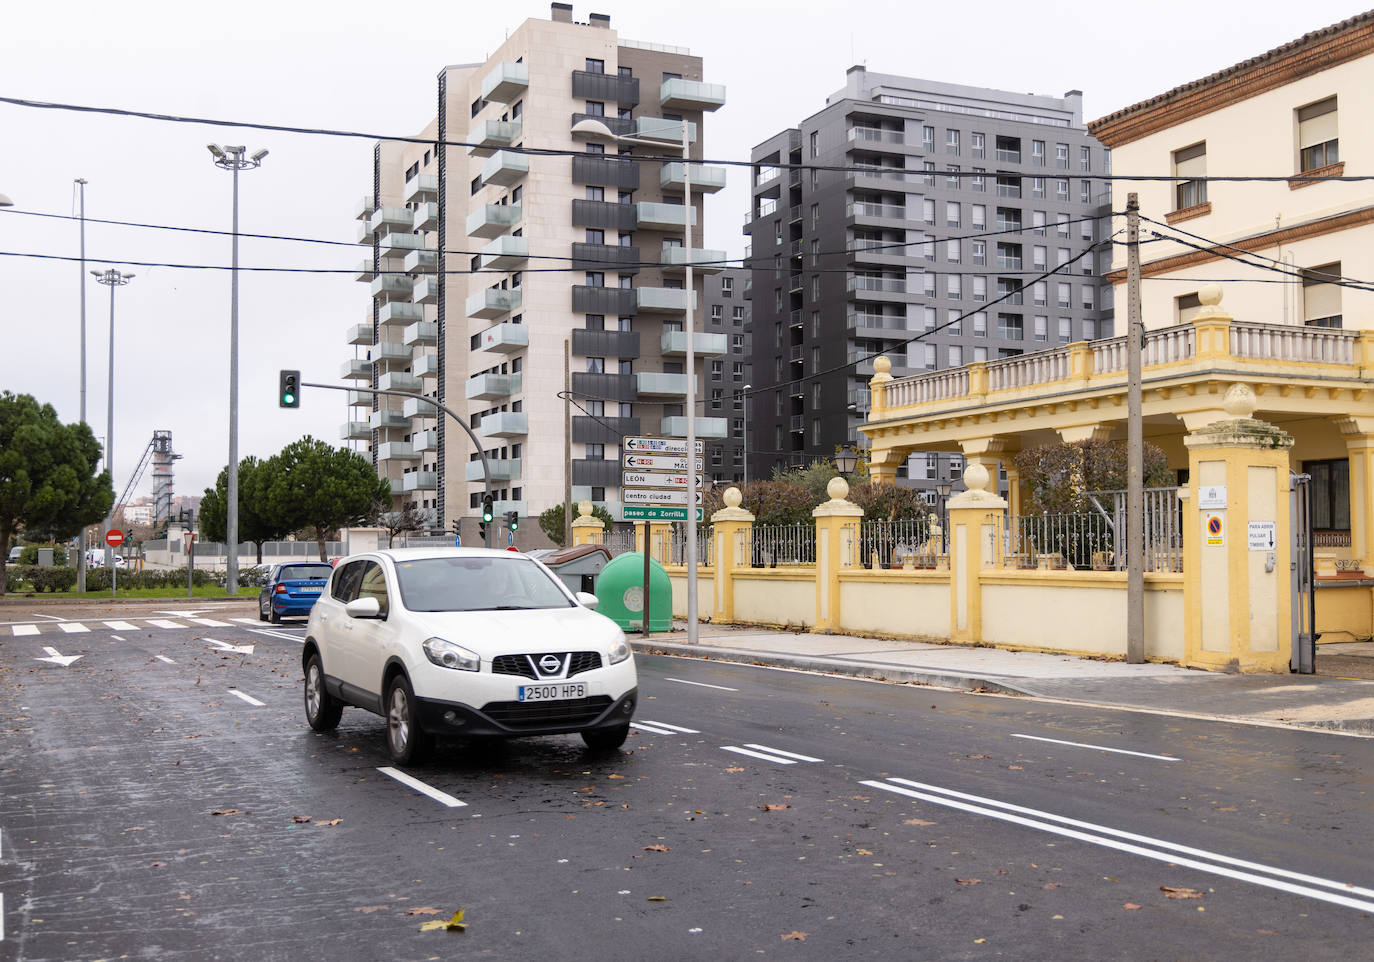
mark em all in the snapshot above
pixel 620 593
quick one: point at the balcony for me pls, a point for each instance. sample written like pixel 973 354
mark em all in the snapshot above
pixel 603 214
pixel 490 387
pixel 662 300
pixel 705 179
pixel 426 217
pixel 399 245
pixel 414 407
pixel 651 384
pixel 873 137
pixel 676 427
pixel 400 312
pixel 388 421
pixel 363 209
pixel 618 344
pixel 425 441
pixel 365 271
pixel 493 302
pixel 355 431
pixel 653 216
pixel 607 387
pixel 505 424
pixel 704 344
pixel 597 472
pixel 422 188
pixel 492 135
pixel 605 257
pixel 666 131
pixel 891 253
pixel 865 212
pixel 502 469
pixel 871 324
pixel 703 260
pixel 420 481
pixel 386 219
pixel 420 262
pixel 425 290
pixel 882 178
pixel 506 338
pixel 493 220
pixel 876 288
pixel 392 287
pixel 360 333
pixel 602 430
pixel 359 399
pixel 365 235
pixel 618 301
pixel 605 171
pixel 356 370
pixel 677 94
pixel 505 253
pixel 605 86
pixel 391 352
pixel 504 168
pixel 506 82
pixel 426 366
pixel 422 332
pixel 399 381
pixel 396 451
pixel 618 126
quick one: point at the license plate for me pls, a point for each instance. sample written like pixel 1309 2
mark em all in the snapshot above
pixel 309 591
pixel 553 692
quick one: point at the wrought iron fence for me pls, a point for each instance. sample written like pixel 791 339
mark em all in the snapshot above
pixel 677 545
pixel 1097 539
pixel 618 542
pixel 892 544
pixel 782 544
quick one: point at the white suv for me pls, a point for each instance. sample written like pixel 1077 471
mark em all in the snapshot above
pixel 465 642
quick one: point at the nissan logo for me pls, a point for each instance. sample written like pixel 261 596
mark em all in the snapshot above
pixel 550 664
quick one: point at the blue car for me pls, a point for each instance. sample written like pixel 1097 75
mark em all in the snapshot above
pixel 292 589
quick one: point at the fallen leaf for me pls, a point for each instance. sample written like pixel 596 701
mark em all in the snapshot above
pixel 734 769
pixel 157 865
pixel 657 898
pixel 1268 931
pixel 368 909
pixel 968 881
pixel 656 848
pixel 917 821
pixel 1130 906
pixel 795 936
pixel 1050 885
pixel 1180 893
pixel 979 941
pixel 864 851
pixel 770 807
pixel 977 756
pixel 425 910
pixel 300 819
pixel 225 811
pixel 1016 768
pixel 334 821
pixel 455 924
pixel 615 776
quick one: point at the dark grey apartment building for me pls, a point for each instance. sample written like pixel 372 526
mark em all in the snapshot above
pixel 728 377
pixel 906 208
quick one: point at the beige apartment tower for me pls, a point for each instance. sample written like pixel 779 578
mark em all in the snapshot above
pixel 499 235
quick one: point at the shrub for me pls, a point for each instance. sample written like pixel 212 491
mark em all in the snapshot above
pixel 29 556
pixel 48 579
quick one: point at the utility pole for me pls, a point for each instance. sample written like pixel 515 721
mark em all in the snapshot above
pixel 567 443
pixel 81 543
pixel 1135 446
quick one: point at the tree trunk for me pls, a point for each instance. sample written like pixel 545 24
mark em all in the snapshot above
pixel 259 544
pixel 319 540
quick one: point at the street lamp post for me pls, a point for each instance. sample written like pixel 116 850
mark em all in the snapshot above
pixel 597 128
pixel 942 490
pixel 747 388
pixel 81 279
pixel 111 279
pixel 233 159
pixel 846 460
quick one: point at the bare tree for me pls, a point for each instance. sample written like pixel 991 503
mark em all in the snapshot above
pixel 411 517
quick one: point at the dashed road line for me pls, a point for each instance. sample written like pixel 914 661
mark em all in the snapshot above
pixel 72 627
pixel 442 797
pixel 663 728
pixel 248 698
pixel 209 622
pixel 700 684
pixel 22 630
pixel 164 658
pixel 764 753
pixel 1099 748
pixel 164 623
pixel 120 626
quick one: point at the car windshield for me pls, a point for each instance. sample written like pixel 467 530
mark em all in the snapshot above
pixel 477 584
pixel 304 572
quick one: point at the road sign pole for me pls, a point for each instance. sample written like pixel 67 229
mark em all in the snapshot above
pixel 646 578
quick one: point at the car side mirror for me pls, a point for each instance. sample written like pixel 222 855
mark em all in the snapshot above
pixel 362 608
pixel 587 600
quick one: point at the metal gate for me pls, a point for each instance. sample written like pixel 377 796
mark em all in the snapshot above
pixel 1304 595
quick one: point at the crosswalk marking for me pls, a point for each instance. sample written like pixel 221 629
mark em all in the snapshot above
pixel 72 627
pixel 164 623
pixel 26 629
pixel 246 621
pixel 120 626
pixel 209 622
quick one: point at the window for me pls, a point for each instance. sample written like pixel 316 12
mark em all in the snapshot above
pixel 1042 327
pixel 952 213
pixel 1038 222
pixel 978 144
pixel 815 144
pixel 928 284
pixel 1321 296
pixel 952 142
pixel 1008 149
pixel 596 322
pixel 980 353
pixel 596 66
pixel 1089 298
pixel 952 179
pixel 1038 153
pixel 1064 294
pixel 928 139
pixel 717 369
pixel 1063 253
pixel 1038 253
pixel 954 285
pixel 476 184
pixel 1190 164
pixel 595 108
pixel 1085 191
pixel 624 72
pixel 1040 294
pixel 1037 187
pixel 737 371
pixel 978 251
pixel 1061 190
pixel 1009 327
pixel 928 212
pixel 596 452
pixel 1065 329
pixel 737 316
pixel 980 324
pixel 978 215
pixel 815 216
pixel 1085 158
pixel 980 288
pixel 1085 228
pixel 717 313
pixel 928 319
pixel 595 236
pixel 1317 141
pixel 953 325
pixel 956 356
pixel 1061 156
pixel 477 106
pixel 976 181
pixel 815 287
pixel 596 365
pixel 594 279
pixel 929 361
pixel 596 193
pixel 1061 222
pixel 727 286
pixel 1089 329
pixel 1186 306
pixel 1008 186
pixel 952 250
pixel 1330 493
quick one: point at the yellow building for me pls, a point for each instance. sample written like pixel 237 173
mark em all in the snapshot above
pixel 1257 288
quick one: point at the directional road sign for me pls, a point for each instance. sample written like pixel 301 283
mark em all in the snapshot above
pixel 652 479
pixel 641 512
pixel 661 462
pixel 660 445
pixel 656 496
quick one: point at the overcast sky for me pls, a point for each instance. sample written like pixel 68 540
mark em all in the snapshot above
pixel 371 67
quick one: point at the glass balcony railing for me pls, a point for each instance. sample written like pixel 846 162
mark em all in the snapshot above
pixel 504 168
pixel 505 252
pixel 492 135
pixel 493 302
pixel 423 332
pixel 704 344
pixel 493 220
pixel 679 94
pixel 505 338
pixel 505 82
pixel 705 178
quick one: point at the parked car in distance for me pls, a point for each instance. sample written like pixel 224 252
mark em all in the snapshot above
pixel 95 558
pixel 15 552
pixel 292 589
pixel 465 642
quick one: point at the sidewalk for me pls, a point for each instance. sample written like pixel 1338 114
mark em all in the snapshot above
pixel 1313 701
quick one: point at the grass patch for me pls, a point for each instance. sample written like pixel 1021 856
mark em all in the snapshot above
pixel 201 591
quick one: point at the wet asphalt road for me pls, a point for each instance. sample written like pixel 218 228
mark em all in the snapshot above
pixel 161 798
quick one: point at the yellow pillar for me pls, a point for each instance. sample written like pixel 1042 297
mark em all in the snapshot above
pixel 1358 433
pixel 586 527
pixel 732 530
pixel 1236 597
pixel 837 548
pixel 659 540
pixel 975 522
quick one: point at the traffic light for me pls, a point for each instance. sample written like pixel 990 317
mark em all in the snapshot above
pixel 488 513
pixel 289 396
pixel 512 520
pixel 456 529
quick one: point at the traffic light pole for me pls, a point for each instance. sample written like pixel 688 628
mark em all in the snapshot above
pixel 486 468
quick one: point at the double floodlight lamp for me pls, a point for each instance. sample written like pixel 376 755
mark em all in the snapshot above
pixel 222 156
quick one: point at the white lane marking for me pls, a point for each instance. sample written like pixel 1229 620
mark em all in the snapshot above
pixel 120 626
pixel 1099 748
pixel 676 728
pixel 228 648
pixel 442 797
pixel 779 751
pixel 700 684
pixel 246 621
pixel 72 627
pixel 25 630
pixel 248 698
pixel 209 622
pixel 651 729
pixel 2 916
pixel 164 623
pixel 57 658
pixel 116 638
pixel 272 633
pixel 164 658
pixel 759 755
pixel 1168 853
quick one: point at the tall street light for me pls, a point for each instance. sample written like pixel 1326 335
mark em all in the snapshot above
pixel 233 159
pixel 745 399
pixel 598 129
pixel 81 281
pixel 112 279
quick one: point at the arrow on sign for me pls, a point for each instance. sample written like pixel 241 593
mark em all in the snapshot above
pixel 57 658
pixel 222 646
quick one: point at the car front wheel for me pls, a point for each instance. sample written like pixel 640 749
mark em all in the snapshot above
pixel 262 612
pixel 322 710
pixel 606 739
pixel 405 740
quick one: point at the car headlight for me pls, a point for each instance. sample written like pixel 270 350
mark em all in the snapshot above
pixel 620 650
pixel 446 654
